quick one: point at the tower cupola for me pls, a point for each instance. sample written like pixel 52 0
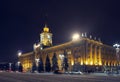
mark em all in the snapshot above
pixel 46 29
pixel 46 37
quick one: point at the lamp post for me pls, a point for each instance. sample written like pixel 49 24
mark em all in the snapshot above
pixel 117 46
pixel 76 37
pixel 61 58
pixel 10 66
pixel 18 64
pixel 19 54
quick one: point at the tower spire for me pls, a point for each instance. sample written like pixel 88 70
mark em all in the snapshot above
pixel 45 24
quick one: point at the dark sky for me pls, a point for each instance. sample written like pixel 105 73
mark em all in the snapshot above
pixel 21 22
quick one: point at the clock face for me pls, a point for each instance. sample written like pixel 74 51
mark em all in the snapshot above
pixel 46 38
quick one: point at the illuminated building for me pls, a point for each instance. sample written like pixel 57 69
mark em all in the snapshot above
pixel 82 50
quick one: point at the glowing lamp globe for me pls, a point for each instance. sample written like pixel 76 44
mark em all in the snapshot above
pixel 19 53
pixel 76 36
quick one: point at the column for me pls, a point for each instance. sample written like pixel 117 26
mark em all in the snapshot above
pixel 99 54
pixel 91 57
pixel 86 54
pixel 95 55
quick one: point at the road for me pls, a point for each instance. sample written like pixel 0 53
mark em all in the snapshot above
pixel 27 77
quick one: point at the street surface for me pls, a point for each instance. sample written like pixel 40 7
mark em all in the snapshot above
pixel 28 77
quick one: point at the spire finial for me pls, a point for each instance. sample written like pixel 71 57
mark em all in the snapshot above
pixel 45 24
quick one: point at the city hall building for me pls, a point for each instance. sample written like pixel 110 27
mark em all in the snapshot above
pixel 81 50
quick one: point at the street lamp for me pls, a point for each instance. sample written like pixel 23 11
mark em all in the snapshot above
pixel 19 53
pixel 18 64
pixel 75 37
pixel 117 46
pixel 10 66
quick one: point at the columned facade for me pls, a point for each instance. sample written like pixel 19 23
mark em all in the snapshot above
pixel 90 53
pixel 84 51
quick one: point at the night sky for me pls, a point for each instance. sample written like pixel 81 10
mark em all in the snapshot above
pixel 21 22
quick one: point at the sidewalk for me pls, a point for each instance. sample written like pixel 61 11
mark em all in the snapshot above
pixel 45 73
pixel 104 74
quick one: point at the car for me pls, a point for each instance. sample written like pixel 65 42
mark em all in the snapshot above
pixel 76 72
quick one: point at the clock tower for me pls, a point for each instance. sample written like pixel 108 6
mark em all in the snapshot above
pixel 46 37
